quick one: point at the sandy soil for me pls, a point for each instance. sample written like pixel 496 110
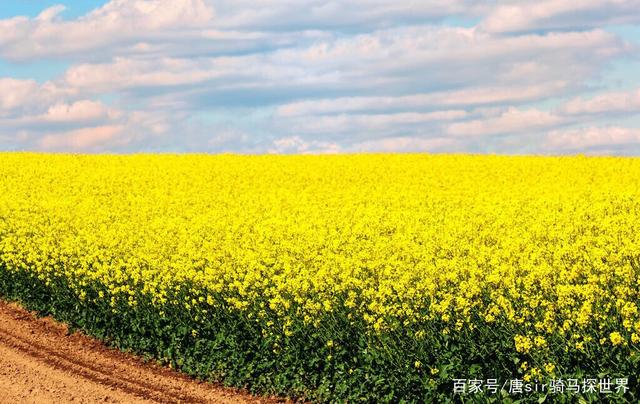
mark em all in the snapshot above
pixel 40 362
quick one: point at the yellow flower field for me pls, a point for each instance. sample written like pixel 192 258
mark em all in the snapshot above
pixel 376 277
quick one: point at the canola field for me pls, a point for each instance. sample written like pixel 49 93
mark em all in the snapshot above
pixel 374 277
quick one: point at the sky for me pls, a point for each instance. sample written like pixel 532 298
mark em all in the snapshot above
pixel 306 76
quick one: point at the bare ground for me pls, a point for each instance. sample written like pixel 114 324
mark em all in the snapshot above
pixel 41 362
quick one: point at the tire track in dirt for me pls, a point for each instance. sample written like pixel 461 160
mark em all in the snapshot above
pixel 73 367
pixel 85 370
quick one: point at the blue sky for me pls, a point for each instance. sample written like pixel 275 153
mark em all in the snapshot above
pixel 309 76
pixel 32 8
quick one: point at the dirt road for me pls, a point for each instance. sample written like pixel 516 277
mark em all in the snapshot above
pixel 41 363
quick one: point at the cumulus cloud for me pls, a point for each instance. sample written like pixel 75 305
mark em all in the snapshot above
pixel 454 98
pixel 21 96
pixel 117 23
pixel 44 116
pixel 295 144
pixel 407 144
pixel 509 122
pixel 152 26
pixel 335 14
pixel 14 93
pixel 85 110
pixel 311 76
pixel 620 102
pixel 592 138
pixel 520 16
pixel 85 139
pixel 61 116
pixel 389 61
pixel 367 124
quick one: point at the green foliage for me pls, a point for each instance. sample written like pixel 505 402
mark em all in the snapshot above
pixel 356 366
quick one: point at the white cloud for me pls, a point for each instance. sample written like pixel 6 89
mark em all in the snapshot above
pixel 85 139
pixel 367 124
pixel 456 98
pixel 48 117
pixel 592 137
pixel 26 97
pixel 322 14
pixel 150 26
pixel 85 110
pixel 317 76
pixel 14 93
pixel 390 61
pixel 62 115
pixel 50 14
pixel 608 102
pixel 295 144
pixel 518 16
pixel 511 121
pixel 407 144
pixel 117 23
pixel 125 73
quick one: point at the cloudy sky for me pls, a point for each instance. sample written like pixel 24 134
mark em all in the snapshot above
pixel 309 76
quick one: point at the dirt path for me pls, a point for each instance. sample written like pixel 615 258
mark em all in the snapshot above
pixel 41 363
